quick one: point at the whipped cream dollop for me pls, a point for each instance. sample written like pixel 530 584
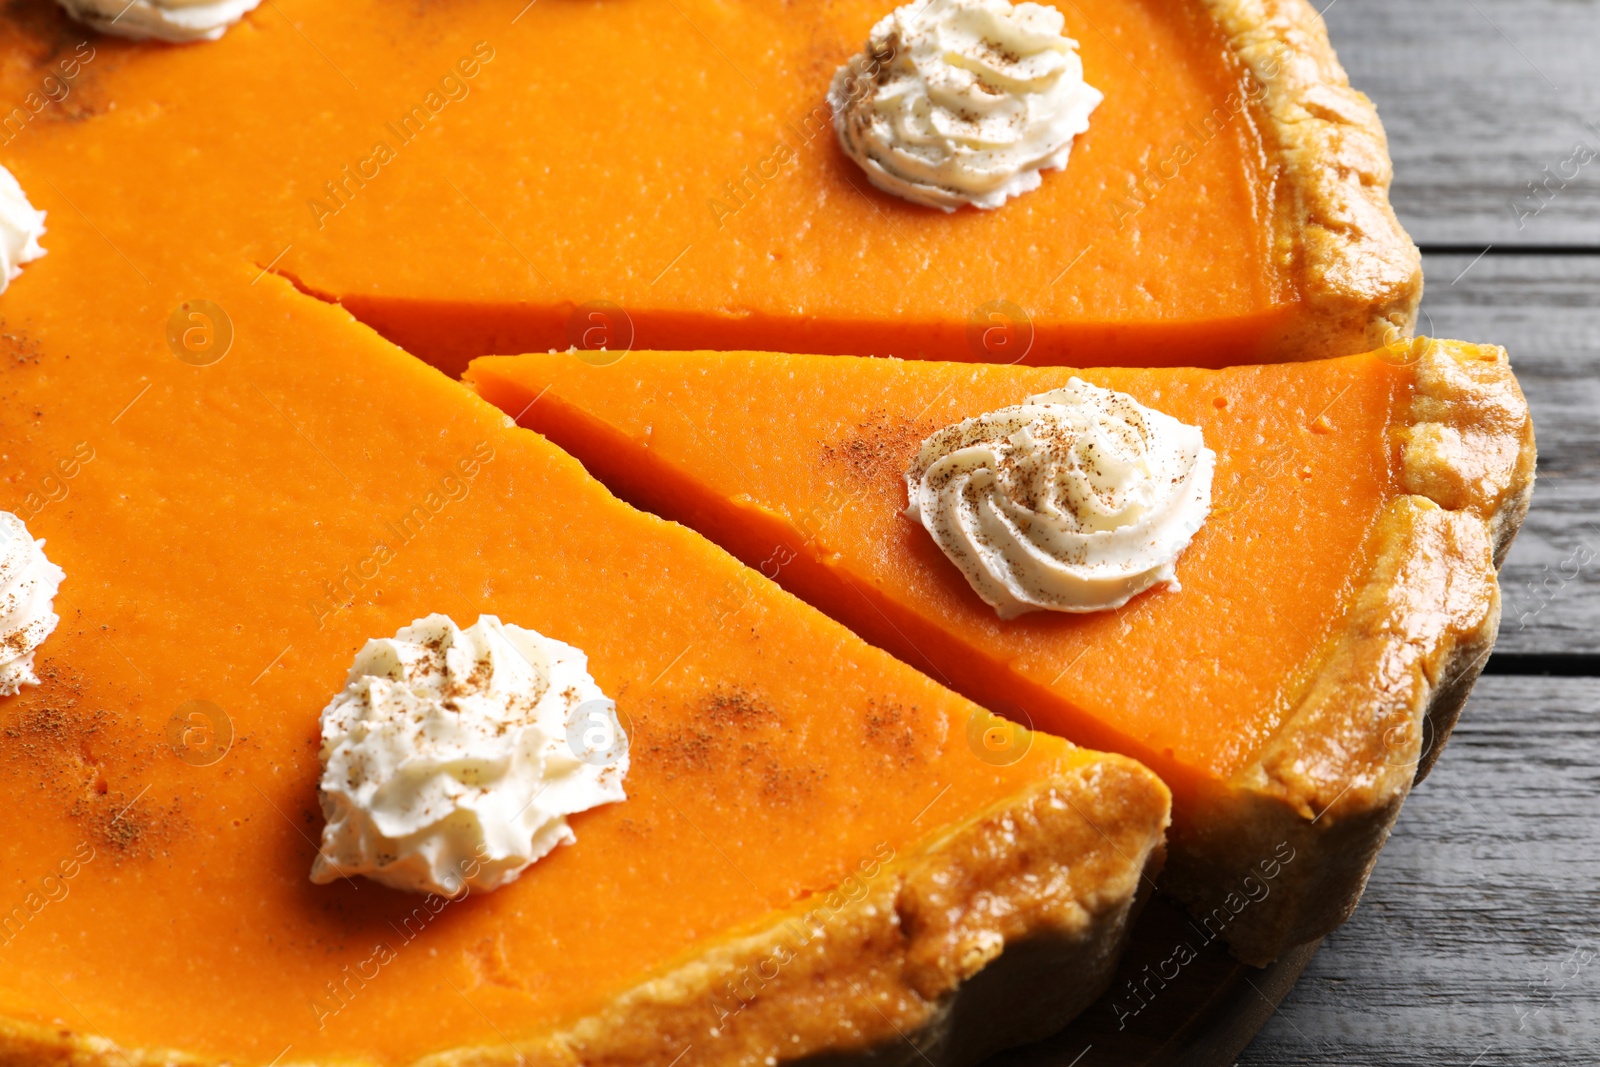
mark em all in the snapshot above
pixel 20 229
pixel 962 101
pixel 28 585
pixel 178 21
pixel 453 757
pixel 1078 499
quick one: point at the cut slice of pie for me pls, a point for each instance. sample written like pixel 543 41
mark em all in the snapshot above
pixel 1333 610
pixel 478 181
pixel 821 853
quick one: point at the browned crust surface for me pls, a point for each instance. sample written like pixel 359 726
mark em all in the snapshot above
pixel 994 931
pixel 1335 232
pixel 1387 688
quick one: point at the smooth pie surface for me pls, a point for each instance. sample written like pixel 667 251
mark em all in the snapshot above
pixel 676 161
pixel 809 453
pixel 232 533
pixel 1334 610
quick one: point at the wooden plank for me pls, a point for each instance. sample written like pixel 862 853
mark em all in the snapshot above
pixel 1477 941
pixel 1546 311
pixel 1479 97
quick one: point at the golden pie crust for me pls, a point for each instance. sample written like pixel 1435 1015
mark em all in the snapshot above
pixel 1334 229
pixel 997 931
pixel 1382 695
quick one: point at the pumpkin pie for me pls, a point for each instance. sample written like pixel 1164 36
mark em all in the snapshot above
pixel 1332 612
pixel 474 181
pixel 242 486
pixel 822 850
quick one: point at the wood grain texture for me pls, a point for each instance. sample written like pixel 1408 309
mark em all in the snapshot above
pixel 1478 941
pixel 1478 98
pixel 1546 311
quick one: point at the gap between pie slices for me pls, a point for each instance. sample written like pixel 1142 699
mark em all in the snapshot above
pixel 1335 607
pixel 546 188
pixel 225 513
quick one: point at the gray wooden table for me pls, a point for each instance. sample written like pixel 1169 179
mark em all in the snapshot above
pixel 1478 941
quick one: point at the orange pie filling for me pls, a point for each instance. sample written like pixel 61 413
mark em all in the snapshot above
pixel 807 457
pixel 494 187
pixel 1323 546
pixel 242 487
pixel 233 526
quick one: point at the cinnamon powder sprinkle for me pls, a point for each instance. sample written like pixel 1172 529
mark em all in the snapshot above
pixel 879 445
pixel 730 734
pixel 892 730
pixel 87 761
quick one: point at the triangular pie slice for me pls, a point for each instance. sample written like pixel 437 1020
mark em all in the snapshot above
pixel 570 173
pixel 822 851
pixel 1333 610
